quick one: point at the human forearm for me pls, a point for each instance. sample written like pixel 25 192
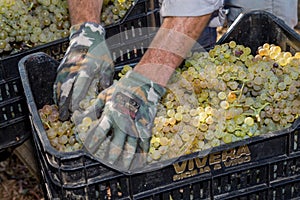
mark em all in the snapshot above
pixel 168 49
pixel 85 11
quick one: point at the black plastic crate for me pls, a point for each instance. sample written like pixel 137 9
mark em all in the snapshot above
pixel 14 122
pixel 255 28
pixel 262 167
pixel 83 175
pixel 130 33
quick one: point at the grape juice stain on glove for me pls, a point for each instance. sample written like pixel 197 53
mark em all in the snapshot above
pixel 87 58
pixel 122 134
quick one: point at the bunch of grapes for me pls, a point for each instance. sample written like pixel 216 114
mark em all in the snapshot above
pixel 28 23
pixel 226 95
pixel 61 135
pixel 215 98
pixel 114 10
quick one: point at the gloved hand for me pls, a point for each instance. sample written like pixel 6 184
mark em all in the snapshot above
pixel 87 59
pixel 121 136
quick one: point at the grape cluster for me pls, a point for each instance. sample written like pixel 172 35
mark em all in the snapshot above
pixel 114 10
pixel 215 98
pixel 226 95
pixel 28 23
pixel 61 135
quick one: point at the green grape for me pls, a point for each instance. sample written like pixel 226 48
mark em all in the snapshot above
pixel 203 127
pixel 258 80
pixel 52 117
pixel 276 117
pixel 170 112
pixel 282 86
pixel 249 101
pixel 47 109
pixel 56 124
pixel 163 149
pixel 61 131
pixel 209 135
pixel 239 119
pixel 277 96
pixel 290 118
pixel 54 142
pixel 288 79
pixel 227 138
pixel 2 44
pixel 283 122
pixel 230 128
pixel 220 69
pixel 166 129
pixel 209 120
pixel 215 142
pixel 249 121
pixel 232 44
pixel 164 141
pixel 51 133
pixel 222 95
pixel 63 139
pixel 195 121
pixel 233 85
pixel 185 137
pixel 292 89
pixel 72 140
pixel 178 116
pixel 86 121
pixel 224 104
pixel 186 118
pixel 219 133
pixel 169 104
pixel 193 112
pixel 238 133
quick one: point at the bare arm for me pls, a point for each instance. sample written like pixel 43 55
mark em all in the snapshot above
pixel 85 11
pixel 174 39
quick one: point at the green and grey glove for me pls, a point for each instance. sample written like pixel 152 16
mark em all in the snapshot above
pixel 87 59
pixel 121 136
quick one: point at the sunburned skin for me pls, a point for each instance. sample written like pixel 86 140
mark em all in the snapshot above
pixel 89 11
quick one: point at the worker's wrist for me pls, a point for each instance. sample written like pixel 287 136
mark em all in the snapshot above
pixel 78 28
pixel 157 73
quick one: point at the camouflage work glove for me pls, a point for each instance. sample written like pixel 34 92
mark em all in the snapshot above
pixel 87 59
pixel 121 136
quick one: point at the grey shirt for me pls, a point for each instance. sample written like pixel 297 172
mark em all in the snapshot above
pixel 189 7
pixel 284 9
pixel 185 8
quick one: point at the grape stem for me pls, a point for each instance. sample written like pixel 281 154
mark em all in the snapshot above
pixel 78 139
pixel 31 6
pixel 240 91
pixel 46 123
pixel 257 111
pixel 242 88
pixel 28 45
pixel 185 146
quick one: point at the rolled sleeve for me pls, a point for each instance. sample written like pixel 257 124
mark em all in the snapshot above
pixel 191 8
